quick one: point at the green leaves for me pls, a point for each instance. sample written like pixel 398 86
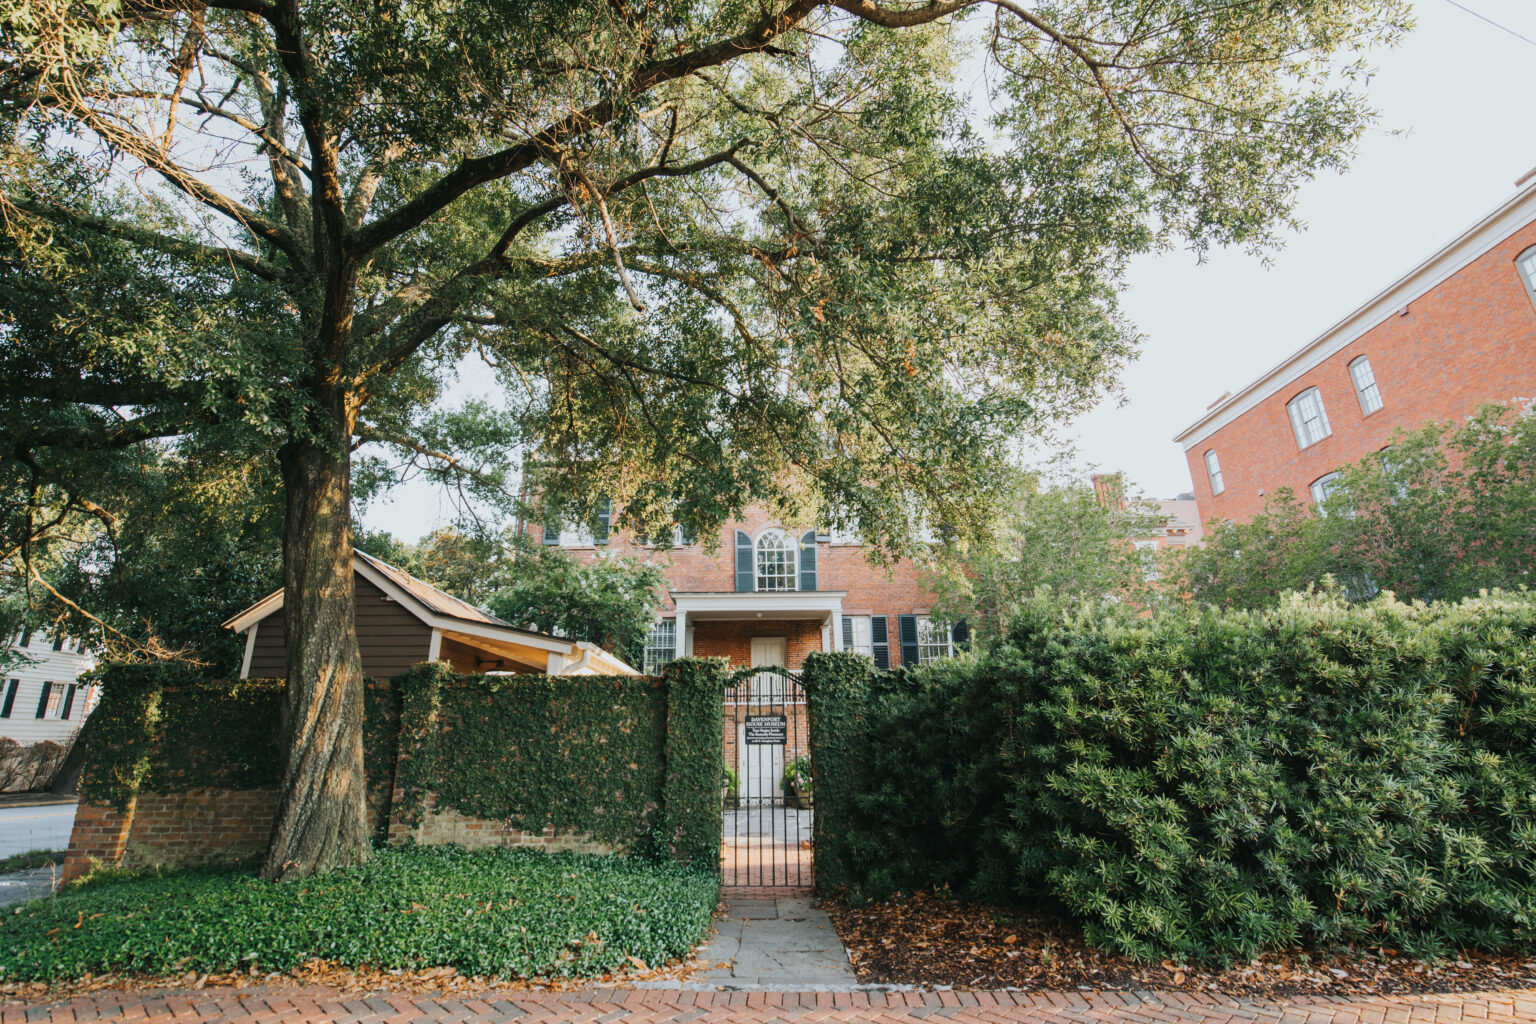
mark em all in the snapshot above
pixel 500 913
pixel 1446 511
pixel 1208 785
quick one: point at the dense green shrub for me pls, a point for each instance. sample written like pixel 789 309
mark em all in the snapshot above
pixel 1211 784
pixel 509 913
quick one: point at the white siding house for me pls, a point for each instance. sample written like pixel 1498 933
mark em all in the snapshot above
pixel 41 700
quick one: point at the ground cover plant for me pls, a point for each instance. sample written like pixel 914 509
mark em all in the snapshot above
pixel 1204 785
pixel 495 913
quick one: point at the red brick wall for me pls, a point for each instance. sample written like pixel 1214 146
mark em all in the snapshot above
pixel 1469 341
pixel 872 590
pixel 733 639
pixel 99 836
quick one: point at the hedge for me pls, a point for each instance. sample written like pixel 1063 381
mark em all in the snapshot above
pixel 1204 785
pixel 632 761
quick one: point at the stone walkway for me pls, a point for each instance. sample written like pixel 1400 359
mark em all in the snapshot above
pixel 621 1006
pixel 781 944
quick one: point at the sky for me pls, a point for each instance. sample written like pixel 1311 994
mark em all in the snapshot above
pixel 1459 94
pixel 1455 132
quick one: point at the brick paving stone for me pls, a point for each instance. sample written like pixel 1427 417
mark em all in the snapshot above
pixel 608 1006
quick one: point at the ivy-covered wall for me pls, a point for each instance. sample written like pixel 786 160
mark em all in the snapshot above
pixel 161 729
pixel 1204 784
pixel 623 762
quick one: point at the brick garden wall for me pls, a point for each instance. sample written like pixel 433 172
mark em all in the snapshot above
pixel 140 828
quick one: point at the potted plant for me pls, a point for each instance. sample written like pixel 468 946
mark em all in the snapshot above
pixel 729 782
pixel 797 783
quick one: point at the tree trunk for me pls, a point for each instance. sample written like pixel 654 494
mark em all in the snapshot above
pixel 322 814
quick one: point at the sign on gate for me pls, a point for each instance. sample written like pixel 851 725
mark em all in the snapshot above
pixel 762 730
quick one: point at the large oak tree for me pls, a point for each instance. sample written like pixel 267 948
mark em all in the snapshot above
pixel 717 252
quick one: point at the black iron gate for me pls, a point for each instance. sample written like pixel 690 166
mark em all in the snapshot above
pixel 768 812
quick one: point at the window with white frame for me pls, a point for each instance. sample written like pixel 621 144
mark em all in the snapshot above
pixel 1213 470
pixel 1146 551
pixel 54 707
pixel 845 535
pixel 1526 261
pixel 1322 487
pixel 1308 418
pixel 660 646
pixel 775 561
pixel 1365 385
pixel 857 636
pixel 932 641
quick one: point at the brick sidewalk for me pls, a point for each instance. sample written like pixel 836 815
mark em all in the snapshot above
pixel 620 1006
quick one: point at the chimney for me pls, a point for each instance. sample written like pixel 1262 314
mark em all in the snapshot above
pixel 1109 489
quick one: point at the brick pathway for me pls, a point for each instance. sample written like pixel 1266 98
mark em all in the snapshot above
pixel 621 1006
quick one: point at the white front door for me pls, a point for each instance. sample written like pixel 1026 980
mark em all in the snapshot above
pixel 761 765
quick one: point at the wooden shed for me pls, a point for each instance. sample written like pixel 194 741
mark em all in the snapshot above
pixel 402 621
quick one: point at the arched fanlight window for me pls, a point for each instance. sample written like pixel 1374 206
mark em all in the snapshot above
pixel 775 561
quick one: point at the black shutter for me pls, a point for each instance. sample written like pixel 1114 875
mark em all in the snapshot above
pixel 69 700
pixel 42 700
pixel 10 698
pixel 880 640
pixel 808 560
pixel 743 562
pixel 961 635
pixel 26 638
pixel 58 643
pixel 907 626
pixel 604 521
pixel 847 632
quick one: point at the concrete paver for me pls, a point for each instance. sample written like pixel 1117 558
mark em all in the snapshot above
pixel 631 1006
pixel 784 944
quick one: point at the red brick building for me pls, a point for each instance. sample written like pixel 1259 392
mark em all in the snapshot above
pixel 1456 332
pixel 771 593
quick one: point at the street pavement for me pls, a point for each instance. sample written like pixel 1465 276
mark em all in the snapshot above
pixel 36 827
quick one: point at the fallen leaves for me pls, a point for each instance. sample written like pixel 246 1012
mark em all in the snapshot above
pixel 933 939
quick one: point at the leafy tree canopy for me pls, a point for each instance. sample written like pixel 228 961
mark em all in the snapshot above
pixel 713 253
pixel 1057 535
pixel 1446 511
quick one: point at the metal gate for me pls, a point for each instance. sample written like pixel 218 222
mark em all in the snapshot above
pixel 768 815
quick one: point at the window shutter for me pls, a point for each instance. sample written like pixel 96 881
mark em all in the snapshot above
pixel 808 560
pixel 961 635
pixel 69 700
pixel 847 632
pixel 880 640
pixel 42 700
pixel 604 521
pixel 743 562
pixel 58 643
pixel 26 638
pixel 10 698
pixel 907 626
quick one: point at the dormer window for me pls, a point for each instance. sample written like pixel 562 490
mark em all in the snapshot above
pixel 1308 418
pixel 775 561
